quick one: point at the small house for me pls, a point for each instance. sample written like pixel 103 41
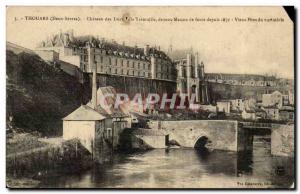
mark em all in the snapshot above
pixel 248 114
pixel 237 104
pixel 286 113
pixel 223 106
pixel 84 124
pixel 272 112
pixel 272 99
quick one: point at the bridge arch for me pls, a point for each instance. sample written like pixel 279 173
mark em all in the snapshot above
pixel 201 142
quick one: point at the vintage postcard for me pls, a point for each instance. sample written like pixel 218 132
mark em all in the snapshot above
pixel 150 97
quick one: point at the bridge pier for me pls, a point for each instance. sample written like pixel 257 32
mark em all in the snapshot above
pixel 282 140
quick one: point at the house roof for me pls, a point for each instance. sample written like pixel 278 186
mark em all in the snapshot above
pixel 84 113
pixel 110 95
pixel 65 39
pixel 287 108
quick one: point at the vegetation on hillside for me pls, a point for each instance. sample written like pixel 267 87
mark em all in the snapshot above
pixel 39 95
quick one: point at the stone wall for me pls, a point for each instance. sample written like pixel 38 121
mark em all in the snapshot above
pixel 282 140
pixel 151 141
pixel 133 85
pixel 222 134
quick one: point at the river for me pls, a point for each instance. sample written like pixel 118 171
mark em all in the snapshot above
pixel 186 168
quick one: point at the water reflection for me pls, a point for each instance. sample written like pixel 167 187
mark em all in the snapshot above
pixel 187 168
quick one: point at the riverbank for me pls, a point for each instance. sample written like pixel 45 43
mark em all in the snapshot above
pixel 30 158
pixel 20 183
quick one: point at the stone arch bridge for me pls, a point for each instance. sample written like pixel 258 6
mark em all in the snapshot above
pixel 222 134
pixel 227 135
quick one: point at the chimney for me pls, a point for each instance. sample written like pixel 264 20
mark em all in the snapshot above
pixel 146 50
pixel 94 86
pixel 135 49
pixel 66 39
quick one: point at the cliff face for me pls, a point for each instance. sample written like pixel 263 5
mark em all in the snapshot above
pixel 40 95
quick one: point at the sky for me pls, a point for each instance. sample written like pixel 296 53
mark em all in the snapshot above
pixel 224 47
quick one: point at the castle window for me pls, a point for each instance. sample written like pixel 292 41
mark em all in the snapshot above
pixel 101 59
pixel 109 61
pixel 116 61
pixel 127 63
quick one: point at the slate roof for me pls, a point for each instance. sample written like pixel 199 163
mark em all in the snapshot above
pixel 84 113
pixel 110 100
pixel 81 41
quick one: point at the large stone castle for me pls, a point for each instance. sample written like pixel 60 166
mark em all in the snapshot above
pixel 175 71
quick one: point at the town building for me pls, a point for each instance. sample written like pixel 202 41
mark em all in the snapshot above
pixel 272 112
pixel 248 114
pixel 291 97
pixel 286 113
pixel 236 104
pixel 260 113
pixel 250 104
pixel 223 106
pixel 273 99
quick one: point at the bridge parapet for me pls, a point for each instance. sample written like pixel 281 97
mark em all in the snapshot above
pixel 255 125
